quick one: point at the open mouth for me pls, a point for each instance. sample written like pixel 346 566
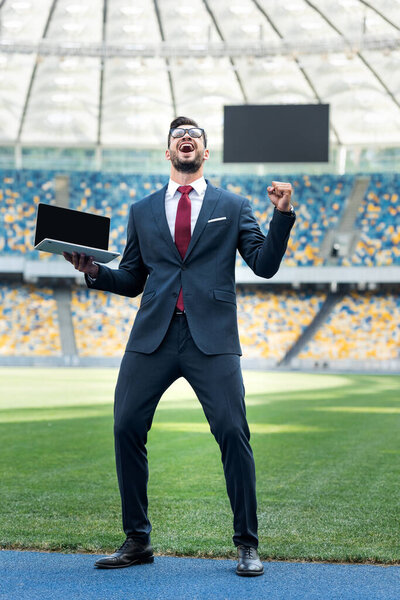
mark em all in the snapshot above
pixel 186 147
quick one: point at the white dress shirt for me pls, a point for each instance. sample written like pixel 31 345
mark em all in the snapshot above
pixel 172 197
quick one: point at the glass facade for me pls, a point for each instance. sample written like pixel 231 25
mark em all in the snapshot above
pixel 129 160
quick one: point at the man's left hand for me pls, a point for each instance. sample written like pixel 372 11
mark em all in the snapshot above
pixel 280 194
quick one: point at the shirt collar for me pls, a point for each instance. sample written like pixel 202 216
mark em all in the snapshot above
pixel 199 185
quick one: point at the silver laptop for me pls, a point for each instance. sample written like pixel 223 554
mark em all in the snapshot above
pixel 61 230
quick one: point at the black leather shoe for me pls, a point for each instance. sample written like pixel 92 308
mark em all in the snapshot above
pixel 249 563
pixel 130 553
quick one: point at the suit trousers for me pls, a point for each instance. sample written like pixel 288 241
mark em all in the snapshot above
pixel 218 384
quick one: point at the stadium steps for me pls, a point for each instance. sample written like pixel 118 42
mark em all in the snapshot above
pixel 331 300
pixel 67 335
pixel 346 235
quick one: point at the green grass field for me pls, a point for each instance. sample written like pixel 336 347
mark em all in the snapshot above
pixel 326 447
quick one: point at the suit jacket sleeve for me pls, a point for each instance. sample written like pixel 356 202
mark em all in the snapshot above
pixel 131 275
pixel 263 253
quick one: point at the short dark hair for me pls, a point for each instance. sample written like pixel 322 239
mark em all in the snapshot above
pixel 184 121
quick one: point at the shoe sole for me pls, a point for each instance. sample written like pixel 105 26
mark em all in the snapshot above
pixel 137 561
pixel 249 573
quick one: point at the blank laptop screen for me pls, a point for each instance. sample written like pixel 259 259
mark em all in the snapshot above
pixel 71 226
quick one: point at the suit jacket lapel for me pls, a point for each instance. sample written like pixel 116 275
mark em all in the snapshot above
pixel 158 208
pixel 210 199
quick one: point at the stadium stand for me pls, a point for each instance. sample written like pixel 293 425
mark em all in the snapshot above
pixel 270 322
pixel 109 195
pixel 379 223
pixel 20 192
pixel 28 323
pixel 102 321
pixel 361 326
pixel 319 203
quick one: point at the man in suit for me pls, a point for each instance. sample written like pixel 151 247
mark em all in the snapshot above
pixel 180 252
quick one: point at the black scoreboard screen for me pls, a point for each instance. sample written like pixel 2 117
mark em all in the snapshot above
pixel 276 133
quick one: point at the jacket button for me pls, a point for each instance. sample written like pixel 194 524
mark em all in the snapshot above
pixel 174 294
pixel 183 267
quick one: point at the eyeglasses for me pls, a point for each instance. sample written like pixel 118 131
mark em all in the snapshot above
pixel 194 132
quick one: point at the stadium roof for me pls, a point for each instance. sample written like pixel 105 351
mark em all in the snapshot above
pixel 115 72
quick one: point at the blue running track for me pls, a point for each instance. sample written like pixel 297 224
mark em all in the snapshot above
pixel 51 576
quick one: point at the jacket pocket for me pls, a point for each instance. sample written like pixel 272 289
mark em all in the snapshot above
pixel 146 297
pixel 218 222
pixel 225 296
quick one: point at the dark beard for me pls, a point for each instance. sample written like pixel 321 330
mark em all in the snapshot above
pixel 187 167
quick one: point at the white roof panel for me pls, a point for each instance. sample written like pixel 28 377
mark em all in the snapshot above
pixel 66 78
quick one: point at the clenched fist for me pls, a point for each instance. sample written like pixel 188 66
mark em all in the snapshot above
pixel 280 194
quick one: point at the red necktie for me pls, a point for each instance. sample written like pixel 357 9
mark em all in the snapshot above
pixel 182 228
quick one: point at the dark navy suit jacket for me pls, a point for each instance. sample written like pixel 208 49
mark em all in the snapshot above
pixel 152 264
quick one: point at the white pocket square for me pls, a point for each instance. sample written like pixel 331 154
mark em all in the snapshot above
pixel 217 219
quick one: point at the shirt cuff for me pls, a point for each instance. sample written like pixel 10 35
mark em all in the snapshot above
pixel 289 213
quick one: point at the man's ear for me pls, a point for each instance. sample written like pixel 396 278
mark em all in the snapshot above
pixel 167 154
pixel 206 154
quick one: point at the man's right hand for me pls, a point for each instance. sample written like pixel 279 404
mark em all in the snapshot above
pixel 83 263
